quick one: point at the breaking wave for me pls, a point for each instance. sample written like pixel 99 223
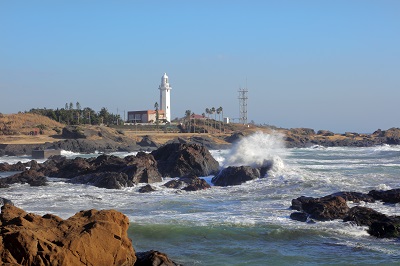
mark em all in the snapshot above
pixel 257 150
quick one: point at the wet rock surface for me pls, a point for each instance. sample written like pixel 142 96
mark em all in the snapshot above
pixel 334 206
pixel 87 238
pixel 177 160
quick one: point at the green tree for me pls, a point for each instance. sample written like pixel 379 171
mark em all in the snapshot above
pixel 187 118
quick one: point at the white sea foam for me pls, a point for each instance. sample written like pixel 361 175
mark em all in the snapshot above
pixel 256 150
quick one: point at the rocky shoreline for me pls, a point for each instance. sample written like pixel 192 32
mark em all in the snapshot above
pixel 105 140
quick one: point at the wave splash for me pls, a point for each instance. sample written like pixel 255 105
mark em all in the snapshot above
pixel 257 150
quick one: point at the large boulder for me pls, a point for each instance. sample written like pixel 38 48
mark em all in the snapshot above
pixel 87 238
pixel 110 180
pixel 142 168
pixel 177 160
pixel 235 175
pixel 322 209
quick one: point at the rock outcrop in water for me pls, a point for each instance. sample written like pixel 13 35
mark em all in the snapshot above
pixel 108 171
pixel 235 175
pixel 177 160
pixel 188 183
pixel 335 207
pixel 87 238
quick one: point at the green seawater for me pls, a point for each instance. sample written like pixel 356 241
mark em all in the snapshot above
pixel 261 245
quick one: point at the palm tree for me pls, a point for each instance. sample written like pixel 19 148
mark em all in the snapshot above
pixel 215 115
pixel 219 110
pixel 207 112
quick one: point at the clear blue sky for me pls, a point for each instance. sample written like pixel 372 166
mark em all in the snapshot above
pixel 320 64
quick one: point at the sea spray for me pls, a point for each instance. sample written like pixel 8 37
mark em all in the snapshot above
pixel 257 150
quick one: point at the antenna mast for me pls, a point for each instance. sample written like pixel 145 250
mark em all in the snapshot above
pixel 243 105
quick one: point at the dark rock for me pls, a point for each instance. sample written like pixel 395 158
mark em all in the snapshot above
pixel 235 175
pixel 188 183
pixel 174 184
pixel 110 180
pixel 177 160
pixel 5 167
pixel 107 163
pixel 142 168
pixel 153 258
pixel 326 208
pixel 356 197
pixel 147 188
pixel 297 204
pixel 364 216
pixel 70 168
pixel 299 216
pixel 388 196
pixel 32 177
pixel 386 228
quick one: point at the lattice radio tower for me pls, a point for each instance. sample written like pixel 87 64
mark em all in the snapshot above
pixel 243 106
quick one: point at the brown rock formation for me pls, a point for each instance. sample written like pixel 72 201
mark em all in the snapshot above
pixel 87 238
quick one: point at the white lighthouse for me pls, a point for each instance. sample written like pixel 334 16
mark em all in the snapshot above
pixel 165 99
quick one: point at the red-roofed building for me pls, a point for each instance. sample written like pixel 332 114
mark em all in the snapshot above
pixel 146 116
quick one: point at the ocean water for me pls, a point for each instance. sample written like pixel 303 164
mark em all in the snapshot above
pixel 247 224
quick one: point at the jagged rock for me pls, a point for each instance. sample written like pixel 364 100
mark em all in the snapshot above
pixel 87 238
pixel 106 163
pixel 177 160
pixel 142 168
pixel 235 175
pixel 326 208
pixel 6 167
pixel 70 168
pixel 363 216
pixel 110 180
pixel 154 258
pixel 32 177
pixel 388 196
pixel 147 188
